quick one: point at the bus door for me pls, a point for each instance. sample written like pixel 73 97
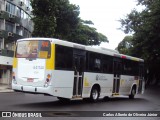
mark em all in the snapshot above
pixel 141 80
pixel 79 58
pixel 117 65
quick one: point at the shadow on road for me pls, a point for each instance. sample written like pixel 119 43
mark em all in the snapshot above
pixel 59 104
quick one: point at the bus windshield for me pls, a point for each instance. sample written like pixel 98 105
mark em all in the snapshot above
pixel 33 49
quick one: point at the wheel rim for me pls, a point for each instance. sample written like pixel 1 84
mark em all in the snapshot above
pixel 95 94
pixel 133 92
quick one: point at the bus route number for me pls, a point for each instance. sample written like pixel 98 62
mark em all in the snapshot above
pixel 44 44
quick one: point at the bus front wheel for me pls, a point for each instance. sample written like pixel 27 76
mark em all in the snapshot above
pixel 94 94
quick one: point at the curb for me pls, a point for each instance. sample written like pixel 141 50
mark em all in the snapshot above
pixel 6 90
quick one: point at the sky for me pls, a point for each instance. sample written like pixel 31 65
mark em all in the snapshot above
pixel 105 15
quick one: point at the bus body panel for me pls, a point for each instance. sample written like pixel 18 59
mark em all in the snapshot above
pixel 104 80
pixel 31 72
pixel 62 83
pixel 126 84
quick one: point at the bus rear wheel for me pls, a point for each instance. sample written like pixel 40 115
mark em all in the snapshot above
pixel 94 94
pixel 133 93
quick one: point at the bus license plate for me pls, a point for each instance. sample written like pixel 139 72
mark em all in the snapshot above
pixel 29 79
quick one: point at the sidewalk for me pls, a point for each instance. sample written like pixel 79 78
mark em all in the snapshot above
pixel 5 88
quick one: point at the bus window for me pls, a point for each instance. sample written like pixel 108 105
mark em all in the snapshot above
pixel 94 62
pixel 107 62
pixel 64 58
pixel 33 49
pixel 130 67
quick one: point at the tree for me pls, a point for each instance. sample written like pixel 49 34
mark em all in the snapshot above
pixel 59 19
pixel 125 46
pixel 87 35
pixel 145 26
pixel 54 17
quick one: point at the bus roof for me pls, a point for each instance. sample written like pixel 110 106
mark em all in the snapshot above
pixel 87 48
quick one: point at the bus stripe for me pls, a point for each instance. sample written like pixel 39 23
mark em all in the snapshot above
pixel 50 63
pixel 15 62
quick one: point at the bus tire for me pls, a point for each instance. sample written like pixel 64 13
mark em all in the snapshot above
pixel 94 96
pixel 133 93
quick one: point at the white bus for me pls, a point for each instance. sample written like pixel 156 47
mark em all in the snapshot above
pixel 73 71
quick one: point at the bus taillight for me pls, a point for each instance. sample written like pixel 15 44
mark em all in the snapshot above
pixel 47 80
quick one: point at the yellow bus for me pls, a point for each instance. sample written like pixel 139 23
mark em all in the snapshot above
pixel 72 71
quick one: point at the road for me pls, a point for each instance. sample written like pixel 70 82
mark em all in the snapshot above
pixel 149 101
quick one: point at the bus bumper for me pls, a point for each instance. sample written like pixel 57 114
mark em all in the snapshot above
pixel 32 89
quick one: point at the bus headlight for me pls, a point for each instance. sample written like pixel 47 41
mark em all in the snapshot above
pixel 46 84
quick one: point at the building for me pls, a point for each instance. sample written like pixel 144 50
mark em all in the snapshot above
pixel 15 23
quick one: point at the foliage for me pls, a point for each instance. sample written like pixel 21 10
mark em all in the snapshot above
pixel 145 26
pixel 125 46
pixel 87 35
pixel 59 19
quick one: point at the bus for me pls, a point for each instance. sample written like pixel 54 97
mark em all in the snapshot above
pixel 71 71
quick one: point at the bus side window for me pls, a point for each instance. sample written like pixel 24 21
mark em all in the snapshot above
pixel 97 64
pixel 130 67
pixel 63 57
pixel 94 62
pixel 107 64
